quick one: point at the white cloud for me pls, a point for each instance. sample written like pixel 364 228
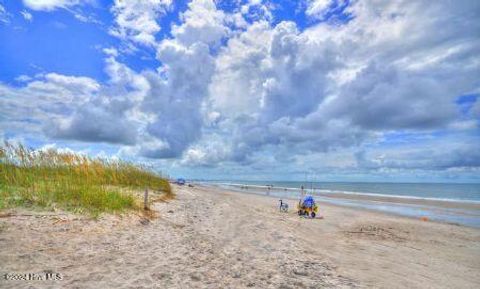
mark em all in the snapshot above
pixel 43 100
pixel 86 18
pixel 136 21
pixel 317 7
pixel 70 107
pixel 26 15
pixel 68 5
pixel 81 85
pixel 202 22
pixel 276 86
pixel 210 155
pixel 266 80
pixel 257 10
pixel 4 15
pixel 23 78
pixel 175 96
pixel 160 113
pixel 49 5
pixel 111 115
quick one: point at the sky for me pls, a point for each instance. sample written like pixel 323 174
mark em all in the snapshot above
pixel 329 90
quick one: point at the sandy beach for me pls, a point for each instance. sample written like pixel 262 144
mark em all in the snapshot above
pixel 212 238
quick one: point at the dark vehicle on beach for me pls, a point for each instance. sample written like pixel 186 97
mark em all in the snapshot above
pixel 180 181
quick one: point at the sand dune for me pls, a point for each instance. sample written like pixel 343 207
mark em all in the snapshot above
pixel 208 238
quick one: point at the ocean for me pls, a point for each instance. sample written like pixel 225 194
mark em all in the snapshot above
pixel 339 192
pixel 454 192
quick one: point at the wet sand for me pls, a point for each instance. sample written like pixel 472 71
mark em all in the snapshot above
pixel 212 238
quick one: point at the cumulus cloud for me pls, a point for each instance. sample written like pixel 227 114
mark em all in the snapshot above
pixel 82 86
pixel 387 98
pixel 269 79
pixel 43 99
pixel 76 108
pixel 330 87
pixel 111 115
pixel 93 123
pixel 158 112
pixel 254 10
pixel 234 89
pixel 176 98
pixel 202 22
pixel 209 154
pixel 136 21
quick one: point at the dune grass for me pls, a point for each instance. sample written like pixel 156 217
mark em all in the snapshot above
pixel 53 179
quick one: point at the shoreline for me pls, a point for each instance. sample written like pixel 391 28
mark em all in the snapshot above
pixel 443 211
pixel 360 195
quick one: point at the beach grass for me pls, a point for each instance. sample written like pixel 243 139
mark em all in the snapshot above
pixel 65 180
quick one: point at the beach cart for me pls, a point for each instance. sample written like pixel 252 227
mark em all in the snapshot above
pixel 307 207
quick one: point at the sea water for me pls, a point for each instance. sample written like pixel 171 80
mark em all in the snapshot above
pixel 328 191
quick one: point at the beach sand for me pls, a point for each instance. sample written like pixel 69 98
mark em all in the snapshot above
pixel 212 238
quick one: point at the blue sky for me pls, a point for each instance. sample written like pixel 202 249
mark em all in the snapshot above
pixel 253 89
